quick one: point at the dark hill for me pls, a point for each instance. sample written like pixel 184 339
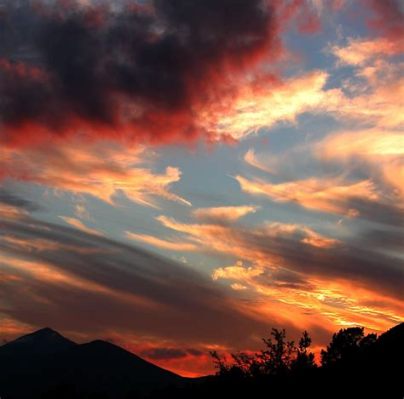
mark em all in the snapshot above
pixel 42 342
pixel 44 364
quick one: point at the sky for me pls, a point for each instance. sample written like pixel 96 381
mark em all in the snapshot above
pixel 181 176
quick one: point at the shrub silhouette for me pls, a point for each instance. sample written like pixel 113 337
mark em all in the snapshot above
pixel 346 345
pixel 280 357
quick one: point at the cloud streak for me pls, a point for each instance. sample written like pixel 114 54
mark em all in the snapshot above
pixel 301 249
pixel 103 170
pixel 63 274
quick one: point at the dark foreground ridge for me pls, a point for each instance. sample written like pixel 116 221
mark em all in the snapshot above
pixel 45 365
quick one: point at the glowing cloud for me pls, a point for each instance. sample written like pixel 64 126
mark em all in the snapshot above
pixel 224 213
pixel 251 159
pixel 101 169
pixel 268 105
pixel 360 51
pixel 237 272
pixel 160 243
pixel 383 150
pixel 78 224
pixel 326 195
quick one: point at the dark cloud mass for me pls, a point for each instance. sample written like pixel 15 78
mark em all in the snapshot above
pixel 144 70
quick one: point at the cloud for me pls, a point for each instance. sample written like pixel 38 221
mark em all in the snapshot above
pixel 387 18
pixel 64 275
pixel 160 72
pixel 361 51
pixel 169 353
pixel 102 170
pixel 303 234
pixel 223 213
pixel 301 297
pixel 237 272
pixel 15 207
pixel 373 97
pixel 265 106
pixel 139 71
pixel 251 159
pixel 188 362
pixel 160 243
pixel 299 249
pixel 382 150
pixel 78 224
pixel 366 149
pixel 331 195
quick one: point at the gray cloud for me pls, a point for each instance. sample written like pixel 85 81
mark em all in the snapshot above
pixel 170 353
pixel 11 199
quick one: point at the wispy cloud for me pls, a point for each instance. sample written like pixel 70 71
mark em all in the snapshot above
pixel 160 243
pixel 327 195
pixel 78 273
pixel 78 224
pixel 102 170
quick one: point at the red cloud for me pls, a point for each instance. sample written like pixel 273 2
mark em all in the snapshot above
pixel 388 18
pixel 140 73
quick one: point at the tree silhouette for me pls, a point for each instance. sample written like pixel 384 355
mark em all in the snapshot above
pixel 280 357
pixel 345 345
pixel 279 353
pixel 304 359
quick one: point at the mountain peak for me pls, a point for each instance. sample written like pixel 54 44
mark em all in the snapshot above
pixel 46 331
pixel 43 341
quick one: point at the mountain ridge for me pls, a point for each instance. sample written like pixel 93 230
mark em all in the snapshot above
pixel 45 360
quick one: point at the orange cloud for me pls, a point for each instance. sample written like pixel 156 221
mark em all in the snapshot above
pixel 224 213
pixel 237 272
pixel 317 299
pixel 233 241
pixel 270 102
pixel 383 150
pixel 268 105
pixel 159 243
pixel 101 169
pixel 360 51
pixel 251 159
pixel 78 224
pixel 326 195
pixel 10 211
pixel 307 235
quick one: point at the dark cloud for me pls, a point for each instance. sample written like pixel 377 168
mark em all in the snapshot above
pixel 384 239
pixel 11 199
pixel 387 212
pixel 141 68
pixel 388 17
pixel 170 353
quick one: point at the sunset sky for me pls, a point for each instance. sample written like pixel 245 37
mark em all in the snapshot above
pixel 181 176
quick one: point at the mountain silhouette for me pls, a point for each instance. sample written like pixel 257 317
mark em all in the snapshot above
pixel 42 342
pixel 44 364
